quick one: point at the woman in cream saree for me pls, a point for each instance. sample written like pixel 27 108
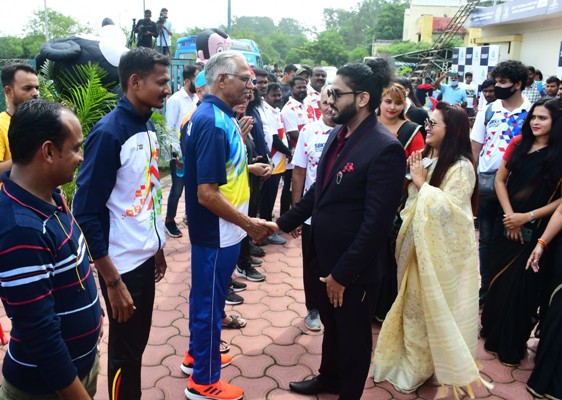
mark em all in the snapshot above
pixel 432 327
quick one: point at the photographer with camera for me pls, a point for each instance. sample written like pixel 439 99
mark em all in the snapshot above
pixel 146 29
pixel 163 41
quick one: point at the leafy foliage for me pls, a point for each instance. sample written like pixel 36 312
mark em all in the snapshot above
pixel 402 48
pixel 167 139
pixel 390 21
pixel 348 34
pixel 358 54
pixel 11 47
pixel 60 25
pixel 81 90
pixel 28 46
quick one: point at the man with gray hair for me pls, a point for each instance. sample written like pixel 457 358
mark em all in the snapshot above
pixel 217 196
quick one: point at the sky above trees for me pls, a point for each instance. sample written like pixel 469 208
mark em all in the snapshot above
pixel 346 34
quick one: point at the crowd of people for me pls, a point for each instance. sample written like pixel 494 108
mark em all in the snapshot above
pixel 381 179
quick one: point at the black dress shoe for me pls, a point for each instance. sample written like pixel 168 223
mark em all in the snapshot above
pixel 311 386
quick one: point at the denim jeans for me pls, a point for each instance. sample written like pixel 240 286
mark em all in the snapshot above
pixel 487 214
pixel 176 190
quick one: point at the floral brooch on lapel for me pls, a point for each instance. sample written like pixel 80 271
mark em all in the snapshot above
pixel 346 168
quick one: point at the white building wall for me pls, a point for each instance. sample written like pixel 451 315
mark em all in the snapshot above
pixel 540 45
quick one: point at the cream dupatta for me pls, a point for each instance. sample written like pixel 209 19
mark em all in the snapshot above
pixel 432 326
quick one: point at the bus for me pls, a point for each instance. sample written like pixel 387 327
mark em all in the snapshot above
pixel 250 50
pixel 186 50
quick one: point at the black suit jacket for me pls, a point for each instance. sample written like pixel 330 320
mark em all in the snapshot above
pixel 353 214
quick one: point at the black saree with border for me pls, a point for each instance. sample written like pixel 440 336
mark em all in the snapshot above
pixel 510 311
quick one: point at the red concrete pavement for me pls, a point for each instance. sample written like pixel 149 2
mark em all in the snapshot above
pixel 275 347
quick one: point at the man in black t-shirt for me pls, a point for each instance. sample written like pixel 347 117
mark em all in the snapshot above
pixel 146 29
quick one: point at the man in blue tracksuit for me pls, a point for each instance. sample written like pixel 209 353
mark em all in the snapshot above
pixel 118 205
pixel 217 195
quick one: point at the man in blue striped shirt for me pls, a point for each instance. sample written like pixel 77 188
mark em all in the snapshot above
pixel 46 282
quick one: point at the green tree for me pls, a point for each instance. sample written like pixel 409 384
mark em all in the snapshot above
pixel 83 91
pixel 346 23
pixel 330 49
pixel 356 26
pixel 11 47
pixel 31 45
pixel 358 54
pixel 294 56
pixel 268 52
pixel 274 42
pixel 280 42
pixel 60 25
pixel 292 27
pixel 260 26
pixel 390 22
pixel 327 49
pixel 402 48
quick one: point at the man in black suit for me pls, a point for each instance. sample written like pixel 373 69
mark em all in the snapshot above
pixel 353 202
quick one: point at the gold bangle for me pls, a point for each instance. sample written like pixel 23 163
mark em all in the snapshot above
pixel 542 243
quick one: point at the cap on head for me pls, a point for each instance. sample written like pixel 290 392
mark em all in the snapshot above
pixel 200 79
pixel 303 69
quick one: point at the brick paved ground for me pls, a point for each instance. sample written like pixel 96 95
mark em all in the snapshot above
pixel 275 347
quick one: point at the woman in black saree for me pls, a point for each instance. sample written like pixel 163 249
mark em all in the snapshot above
pixel 527 186
pixel 546 379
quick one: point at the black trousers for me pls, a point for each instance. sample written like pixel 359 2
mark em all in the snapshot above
pixel 312 285
pixel 255 186
pixel 128 340
pixel 268 196
pixel 244 257
pixel 348 341
pixel 287 194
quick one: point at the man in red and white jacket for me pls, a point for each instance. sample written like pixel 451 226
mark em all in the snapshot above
pixel 317 82
pixel 295 115
pixel 310 145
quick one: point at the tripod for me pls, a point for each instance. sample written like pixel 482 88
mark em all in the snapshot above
pixel 132 35
pixel 163 47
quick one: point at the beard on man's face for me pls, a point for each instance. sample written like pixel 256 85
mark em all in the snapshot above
pixel 344 115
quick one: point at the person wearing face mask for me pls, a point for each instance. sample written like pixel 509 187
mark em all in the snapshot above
pixel 493 130
pixel 452 93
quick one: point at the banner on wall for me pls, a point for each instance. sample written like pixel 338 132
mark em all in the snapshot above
pixel 478 60
pixel 511 12
pixel 559 72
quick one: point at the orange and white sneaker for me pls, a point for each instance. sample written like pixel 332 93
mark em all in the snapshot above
pixel 187 364
pixel 219 390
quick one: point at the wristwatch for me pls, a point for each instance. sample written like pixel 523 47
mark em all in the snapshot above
pixel 532 220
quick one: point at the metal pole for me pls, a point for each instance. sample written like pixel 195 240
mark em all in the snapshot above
pixel 229 28
pixel 46 20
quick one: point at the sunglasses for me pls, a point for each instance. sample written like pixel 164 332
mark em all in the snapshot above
pixel 430 123
pixel 336 94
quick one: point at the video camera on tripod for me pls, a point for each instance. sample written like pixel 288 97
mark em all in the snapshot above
pixel 132 36
pixel 161 19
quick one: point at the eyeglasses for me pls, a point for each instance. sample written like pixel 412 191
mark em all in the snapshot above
pixel 244 78
pixel 430 123
pixel 336 94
